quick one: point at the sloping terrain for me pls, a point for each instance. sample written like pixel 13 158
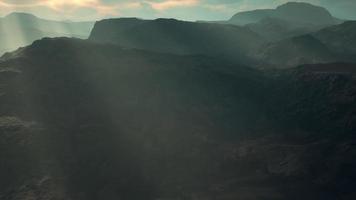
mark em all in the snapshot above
pixel 275 46
pixel 295 51
pixel 82 120
pixel 274 29
pixel 179 37
pixel 335 43
pixel 248 17
pixel 340 38
pixel 21 29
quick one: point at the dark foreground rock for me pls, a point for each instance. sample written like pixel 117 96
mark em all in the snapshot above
pixel 81 120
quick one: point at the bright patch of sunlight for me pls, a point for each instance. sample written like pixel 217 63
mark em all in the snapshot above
pixel 19 29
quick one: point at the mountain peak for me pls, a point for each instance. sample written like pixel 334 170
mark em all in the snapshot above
pixel 295 12
pixel 297 4
pixel 304 11
pixel 303 7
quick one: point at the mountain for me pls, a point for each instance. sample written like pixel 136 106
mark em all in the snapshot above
pixel 287 20
pixel 271 42
pixel 295 12
pixel 248 17
pixel 21 29
pixel 179 37
pixel 86 120
pixel 295 51
pixel 274 29
pixel 108 123
pixel 340 38
pixel 334 43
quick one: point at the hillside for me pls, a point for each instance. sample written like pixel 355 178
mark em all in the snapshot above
pixel 179 37
pixel 83 120
pixel 274 29
pixel 295 51
pixel 269 43
pixel 248 17
pixel 340 38
pixel 335 43
pixel 21 29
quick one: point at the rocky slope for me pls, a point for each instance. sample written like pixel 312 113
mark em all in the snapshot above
pixel 82 120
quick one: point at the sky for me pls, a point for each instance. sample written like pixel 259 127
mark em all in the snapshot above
pixel 84 10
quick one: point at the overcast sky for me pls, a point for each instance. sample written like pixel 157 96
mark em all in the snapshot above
pixel 180 9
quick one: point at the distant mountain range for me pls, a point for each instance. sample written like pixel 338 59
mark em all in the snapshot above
pixel 243 45
pixel 306 33
pixel 179 37
pixel 296 12
pixel 21 29
pixel 288 20
pixel 331 44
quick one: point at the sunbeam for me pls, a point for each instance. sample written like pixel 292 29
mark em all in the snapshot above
pixel 21 29
pixel 14 33
pixel 242 104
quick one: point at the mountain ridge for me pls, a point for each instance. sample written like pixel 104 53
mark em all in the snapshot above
pixel 165 35
pixel 292 11
pixel 21 29
pixel 322 46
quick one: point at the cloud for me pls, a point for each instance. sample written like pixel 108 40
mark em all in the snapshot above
pixel 168 4
pixel 181 9
pixel 101 7
pixel 96 8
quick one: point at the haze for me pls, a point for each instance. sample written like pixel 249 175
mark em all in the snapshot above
pixel 79 10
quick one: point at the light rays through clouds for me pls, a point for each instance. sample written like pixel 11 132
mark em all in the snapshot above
pixel 18 30
pixel 180 9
